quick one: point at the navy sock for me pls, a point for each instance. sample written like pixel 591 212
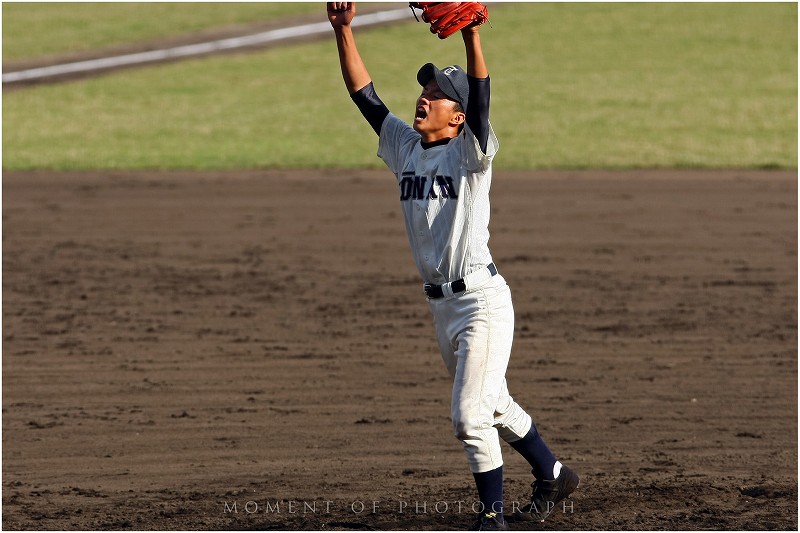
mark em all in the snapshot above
pixel 490 490
pixel 536 452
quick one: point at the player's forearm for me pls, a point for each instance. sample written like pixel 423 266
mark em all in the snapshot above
pixel 476 64
pixel 354 71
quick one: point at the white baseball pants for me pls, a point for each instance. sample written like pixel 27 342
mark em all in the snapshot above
pixel 475 332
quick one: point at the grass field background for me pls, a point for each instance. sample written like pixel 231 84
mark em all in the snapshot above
pixel 81 26
pixel 573 86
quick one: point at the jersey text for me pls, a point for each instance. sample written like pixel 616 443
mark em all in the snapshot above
pixel 417 188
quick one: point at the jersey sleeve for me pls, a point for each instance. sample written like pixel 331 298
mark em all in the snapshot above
pixel 396 142
pixel 475 158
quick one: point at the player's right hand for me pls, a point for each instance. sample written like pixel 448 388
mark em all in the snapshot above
pixel 341 13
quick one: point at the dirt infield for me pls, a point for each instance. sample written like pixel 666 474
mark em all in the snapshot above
pixel 253 351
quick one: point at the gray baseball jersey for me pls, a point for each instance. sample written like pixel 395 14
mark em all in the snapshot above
pixel 444 192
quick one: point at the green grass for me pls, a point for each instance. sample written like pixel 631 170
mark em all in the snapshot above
pixel 573 86
pixel 42 28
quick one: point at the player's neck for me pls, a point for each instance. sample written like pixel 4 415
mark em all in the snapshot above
pixel 438 142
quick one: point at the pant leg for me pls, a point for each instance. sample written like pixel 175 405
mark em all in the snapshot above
pixel 475 333
pixel 511 420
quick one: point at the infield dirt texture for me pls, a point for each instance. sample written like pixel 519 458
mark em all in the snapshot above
pixel 252 350
pixel 235 350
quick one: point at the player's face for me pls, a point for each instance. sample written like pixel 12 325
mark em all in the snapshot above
pixel 435 114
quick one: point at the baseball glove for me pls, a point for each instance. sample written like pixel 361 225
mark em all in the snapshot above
pixel 446 18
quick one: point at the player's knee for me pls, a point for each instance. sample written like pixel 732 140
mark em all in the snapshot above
pixel 468 427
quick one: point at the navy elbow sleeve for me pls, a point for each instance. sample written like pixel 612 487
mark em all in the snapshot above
pixel 373 109
pixel 478 110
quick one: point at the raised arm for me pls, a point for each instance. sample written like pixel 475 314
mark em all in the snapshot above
pixel 354 72
pixel 476 65
pixel 478 79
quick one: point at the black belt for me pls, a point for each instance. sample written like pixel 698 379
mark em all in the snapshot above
pixel 435 291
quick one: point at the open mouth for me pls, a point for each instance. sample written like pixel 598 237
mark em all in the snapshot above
pixel 420 114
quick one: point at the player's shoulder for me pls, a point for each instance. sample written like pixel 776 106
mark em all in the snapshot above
pixel 398 122
pixel 396 128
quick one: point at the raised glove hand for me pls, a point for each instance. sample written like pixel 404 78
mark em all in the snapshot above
pixel 446 18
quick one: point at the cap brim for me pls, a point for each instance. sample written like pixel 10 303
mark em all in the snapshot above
pixel 426 73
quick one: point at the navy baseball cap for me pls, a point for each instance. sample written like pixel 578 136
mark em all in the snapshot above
pixel 452 81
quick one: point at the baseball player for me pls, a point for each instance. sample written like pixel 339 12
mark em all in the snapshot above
pixel 443 166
